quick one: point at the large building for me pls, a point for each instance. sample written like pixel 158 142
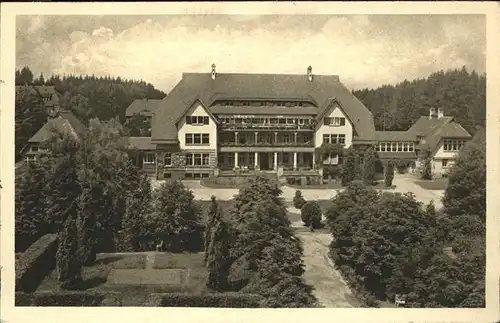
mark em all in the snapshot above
pixel 225 124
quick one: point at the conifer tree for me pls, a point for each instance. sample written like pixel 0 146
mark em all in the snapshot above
pixel 67 257
pixel 370 159
pixel 30 217
pixel 218 255
pixel 213 216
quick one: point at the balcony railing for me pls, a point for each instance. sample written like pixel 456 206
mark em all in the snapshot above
pixel 267 144
pixel 266 126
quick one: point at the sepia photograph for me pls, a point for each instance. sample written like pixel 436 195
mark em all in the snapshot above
pixel 250 161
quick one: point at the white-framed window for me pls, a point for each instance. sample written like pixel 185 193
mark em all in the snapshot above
pixel 197 120
pixel 286 138
pixel 34 148
pixel 301 122
pixel 382 147
pixel 149 158
pixel 197 159
pixel 326 138
pixel 342 139
pixel 30 159
pixel 197 139
pixel 335 121
pixel 411 146
pixel 167 159
pixel 453 145
pixel 444 163
pixel 405 146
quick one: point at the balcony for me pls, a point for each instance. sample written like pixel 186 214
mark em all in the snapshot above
pixel 265 126
pixel 266 144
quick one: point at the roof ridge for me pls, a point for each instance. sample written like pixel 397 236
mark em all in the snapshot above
pixel 266 74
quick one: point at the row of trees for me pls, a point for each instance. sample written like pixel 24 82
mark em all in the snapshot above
pixel 387 244
pixel 461 93
pixel 255 250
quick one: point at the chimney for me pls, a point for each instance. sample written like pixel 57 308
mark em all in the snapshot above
pixel 309 73
pixel 213 72
pixel 432 112
pixel 440 113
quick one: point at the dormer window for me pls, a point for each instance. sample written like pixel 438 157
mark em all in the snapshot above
pixel 335 122
pixel 197 120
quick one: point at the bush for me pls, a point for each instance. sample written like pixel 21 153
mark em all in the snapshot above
pixel 311 214
pixel 68 298
pixel 298 200
pixel 227 300
pixel 36 263
pixel 389 174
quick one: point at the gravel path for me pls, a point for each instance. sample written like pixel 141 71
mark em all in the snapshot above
pixel 330 288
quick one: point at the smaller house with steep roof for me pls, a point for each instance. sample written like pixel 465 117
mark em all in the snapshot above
pixel 63 121
pixel 50 96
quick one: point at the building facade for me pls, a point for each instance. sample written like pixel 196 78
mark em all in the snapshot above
pixel 227 124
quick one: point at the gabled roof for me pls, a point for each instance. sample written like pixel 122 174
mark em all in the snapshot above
pixel 189 107
pixel 454 130
pixel 394 136
pixel 435 129
pixel 143 107
pixel 426 126
pixel 64 121
pixel 140 143
pixel 259 87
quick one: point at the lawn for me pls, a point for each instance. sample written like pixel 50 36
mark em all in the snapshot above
pixel 126 274
pixel 179 260
pixel 379 185
pixel 97 274
pixel 435 184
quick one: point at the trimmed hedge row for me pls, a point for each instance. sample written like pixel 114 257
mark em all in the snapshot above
pixel 227 300
pixel 68 298
pixel 36 263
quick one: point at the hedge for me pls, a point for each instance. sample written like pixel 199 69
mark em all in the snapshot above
pixel 68 298
pixel 36 263
pixel 227 300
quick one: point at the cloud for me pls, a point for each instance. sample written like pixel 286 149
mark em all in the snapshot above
pixel 365 52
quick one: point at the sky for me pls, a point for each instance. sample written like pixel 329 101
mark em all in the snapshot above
pixel 366 51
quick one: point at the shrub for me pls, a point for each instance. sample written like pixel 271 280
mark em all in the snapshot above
pixel 227 300
pixel 389 174
pixel 35 263
pixel 350 167
pixel 311 214
pixel 298 200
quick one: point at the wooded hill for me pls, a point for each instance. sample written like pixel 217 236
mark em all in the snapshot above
pixel 461 93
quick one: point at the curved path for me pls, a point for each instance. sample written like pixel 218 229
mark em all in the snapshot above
pixel 330 288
